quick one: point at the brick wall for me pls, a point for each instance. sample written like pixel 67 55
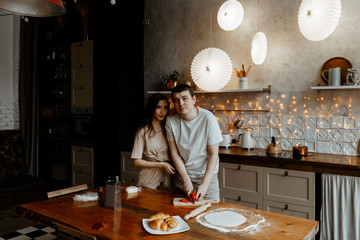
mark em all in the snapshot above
pixel 9 116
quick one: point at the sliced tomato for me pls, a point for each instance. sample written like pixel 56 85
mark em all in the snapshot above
pixel 184 200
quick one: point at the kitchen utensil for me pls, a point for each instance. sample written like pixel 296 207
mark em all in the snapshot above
pixel 351 77
pixel 341 62
pixel 197 211
pixel 273 147
pixel 245 140
pixel 334 76
pixel 113 194
pixel 226 142
pixel 178 202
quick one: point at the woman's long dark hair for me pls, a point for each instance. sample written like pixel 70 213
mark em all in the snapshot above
pixel 149 112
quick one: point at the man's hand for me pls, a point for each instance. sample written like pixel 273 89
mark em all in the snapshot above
pixel 201 191
pixel 188 187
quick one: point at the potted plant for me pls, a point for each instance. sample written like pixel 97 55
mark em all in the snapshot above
pixel 169 81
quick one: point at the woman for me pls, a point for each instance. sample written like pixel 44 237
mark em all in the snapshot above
pixel 150 141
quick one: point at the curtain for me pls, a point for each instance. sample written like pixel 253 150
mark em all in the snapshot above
pixel 340 210
pixel 28 92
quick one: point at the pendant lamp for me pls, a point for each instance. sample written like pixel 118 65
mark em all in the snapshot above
pixel 33 8
pixel 211 69
pixel 230 15
pixel 317 19
pixel 259 48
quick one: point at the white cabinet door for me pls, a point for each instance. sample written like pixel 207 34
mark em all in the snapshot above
pixel 82 166
pixel 129 172
pixel 241 184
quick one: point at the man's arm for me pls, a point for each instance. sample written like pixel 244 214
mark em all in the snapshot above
pixel 213 151
pixel 180 167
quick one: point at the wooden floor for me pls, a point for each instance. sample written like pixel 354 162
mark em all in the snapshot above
pixel 18 191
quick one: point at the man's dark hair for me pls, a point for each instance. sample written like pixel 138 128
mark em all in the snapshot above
pixel 180 88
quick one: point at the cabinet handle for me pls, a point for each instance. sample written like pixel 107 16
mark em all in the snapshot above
pixel 286 173
pixel 286 206
pixel 239 167
pixel 239 198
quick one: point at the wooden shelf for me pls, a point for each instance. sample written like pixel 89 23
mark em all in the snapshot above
pixel 268 89
pixel 335 87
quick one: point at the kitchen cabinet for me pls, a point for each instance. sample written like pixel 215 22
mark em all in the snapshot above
pixel 241 184
pixel 82 90
pixel 276 190
pixel 82 165
pixel 54 111
pixel 129 172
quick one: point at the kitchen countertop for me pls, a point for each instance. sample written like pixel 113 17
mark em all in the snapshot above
pixel 315 162
pixel 126 222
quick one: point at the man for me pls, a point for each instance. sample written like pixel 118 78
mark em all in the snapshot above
pixel 193 135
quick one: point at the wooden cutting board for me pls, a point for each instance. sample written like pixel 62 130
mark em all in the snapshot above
pixel 176 202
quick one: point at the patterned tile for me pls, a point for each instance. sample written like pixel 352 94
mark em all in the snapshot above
pixel 275 132
pixel 323 122
pixel 322 134
pixel 264 132
pixel 298 132
pixel 285 144
pixel 310 133
pixel 310 122
pixel 335 148
pixel 336 135
pixel 37 232
pixel 275 121
pixel 350 123
pixel 287 120
pixel 337 122
pixel 286 132
pixel 322 147
pixel 264 120
pixel 311 145
pixel 350 135
pixel 299 121
pixel 350 149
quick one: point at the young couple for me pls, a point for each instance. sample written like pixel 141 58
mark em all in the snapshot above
pixel 192 136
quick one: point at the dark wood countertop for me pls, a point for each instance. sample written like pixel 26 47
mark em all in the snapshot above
pixel 316 162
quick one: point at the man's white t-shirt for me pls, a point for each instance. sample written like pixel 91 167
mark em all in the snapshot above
pixel 192 138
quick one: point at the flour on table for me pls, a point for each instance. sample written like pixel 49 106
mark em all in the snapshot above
pixel 219 219
pixel 225 219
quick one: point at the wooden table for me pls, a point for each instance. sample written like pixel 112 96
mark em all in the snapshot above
pixel 126 222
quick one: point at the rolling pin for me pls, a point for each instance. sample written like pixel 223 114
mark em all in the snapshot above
pixel 197 211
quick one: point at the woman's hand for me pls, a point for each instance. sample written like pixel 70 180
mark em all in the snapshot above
pixel 168 168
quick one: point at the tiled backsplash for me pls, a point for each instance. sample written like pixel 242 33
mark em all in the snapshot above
pixel 326 121
pixel 9 116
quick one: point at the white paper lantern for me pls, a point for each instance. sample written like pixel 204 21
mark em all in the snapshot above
pixel 211 69
pixel 317 19
pixel 230 15
pixel 259 48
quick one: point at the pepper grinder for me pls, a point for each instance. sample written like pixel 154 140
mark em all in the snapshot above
pixel 113 194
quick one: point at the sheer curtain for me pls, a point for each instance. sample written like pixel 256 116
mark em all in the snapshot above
pixel 340 210
pixel 28 92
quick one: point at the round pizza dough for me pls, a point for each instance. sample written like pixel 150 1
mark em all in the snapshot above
pixel 225 219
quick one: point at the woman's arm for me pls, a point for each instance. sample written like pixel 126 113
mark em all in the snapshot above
pixel 149 164
pixel 213 151
pixel 180 167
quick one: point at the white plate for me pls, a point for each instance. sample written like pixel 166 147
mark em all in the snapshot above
pixel 183 226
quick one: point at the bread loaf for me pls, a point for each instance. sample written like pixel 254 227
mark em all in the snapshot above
pixel 162 222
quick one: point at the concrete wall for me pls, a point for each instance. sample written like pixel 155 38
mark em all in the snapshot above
pixel 179 29
pixel 327 121
pixel 9 72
